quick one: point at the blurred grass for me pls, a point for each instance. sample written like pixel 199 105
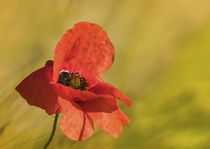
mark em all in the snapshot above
pixel 162 63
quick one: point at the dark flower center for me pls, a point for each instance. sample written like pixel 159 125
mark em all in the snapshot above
pixel 73 80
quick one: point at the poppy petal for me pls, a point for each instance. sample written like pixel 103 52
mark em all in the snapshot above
pixel 106 88
pixel 37 90
pixel 77 95
pixel 108 117
pixel 75 124
pixel 86 48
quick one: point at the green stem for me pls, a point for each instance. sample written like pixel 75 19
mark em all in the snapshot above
pixel 53 131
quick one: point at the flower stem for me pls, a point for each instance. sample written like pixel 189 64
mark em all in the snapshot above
pixel 53 131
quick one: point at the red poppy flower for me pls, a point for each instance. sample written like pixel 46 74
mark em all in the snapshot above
pixel 71 84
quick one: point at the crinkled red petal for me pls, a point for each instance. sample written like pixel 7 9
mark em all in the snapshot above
pixel 75 124
pixel 37 89
pixel 107 115
pixel 77 95
pixel 108 89
pixel 85 49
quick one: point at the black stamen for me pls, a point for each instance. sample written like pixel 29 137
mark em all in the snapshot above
pixel 68 79
pixel 64 78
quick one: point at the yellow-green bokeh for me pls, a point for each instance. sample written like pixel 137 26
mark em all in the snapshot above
pixel 162 63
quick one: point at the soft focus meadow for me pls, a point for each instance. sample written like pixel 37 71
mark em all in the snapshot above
pixel 162 63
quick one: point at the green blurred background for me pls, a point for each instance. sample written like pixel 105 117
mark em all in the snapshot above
pixel 162 63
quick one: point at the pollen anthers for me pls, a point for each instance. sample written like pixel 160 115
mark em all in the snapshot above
pixel 73 80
